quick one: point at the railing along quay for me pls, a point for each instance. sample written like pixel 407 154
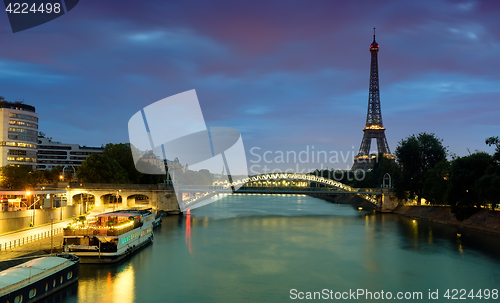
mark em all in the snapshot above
pixel 30 239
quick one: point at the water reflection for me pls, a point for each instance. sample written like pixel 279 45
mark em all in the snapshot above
pixel 188 233
pixel 428 236
pixel 114 283
pixel 256 248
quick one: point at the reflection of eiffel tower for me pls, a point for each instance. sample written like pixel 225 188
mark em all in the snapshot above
pixel 374 128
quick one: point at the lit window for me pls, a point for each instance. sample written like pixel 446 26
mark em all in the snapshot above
pixel 18 299
pixel 70 275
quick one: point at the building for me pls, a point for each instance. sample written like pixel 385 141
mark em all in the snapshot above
pixel 150 157
pixel 18 134
pixel 374 127
pixel 52 153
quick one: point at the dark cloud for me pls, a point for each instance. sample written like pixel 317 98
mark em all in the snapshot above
pixel 285 73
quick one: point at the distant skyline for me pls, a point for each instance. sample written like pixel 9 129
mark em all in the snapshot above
pixel 287 74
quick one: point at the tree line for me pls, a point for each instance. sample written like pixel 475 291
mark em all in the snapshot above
pixel 114 165
pixel 424 169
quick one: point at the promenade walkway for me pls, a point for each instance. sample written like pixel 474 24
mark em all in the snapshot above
pixel 36 240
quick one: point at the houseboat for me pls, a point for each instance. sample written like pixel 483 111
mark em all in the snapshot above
pixel 109 237
pixel 36 279
pixel 158 219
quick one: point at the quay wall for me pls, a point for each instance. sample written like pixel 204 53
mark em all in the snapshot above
pixel 16 220
pixel 484 220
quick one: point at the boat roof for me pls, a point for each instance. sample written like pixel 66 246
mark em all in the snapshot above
pixel 17 274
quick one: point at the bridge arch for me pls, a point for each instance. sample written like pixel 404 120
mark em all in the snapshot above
pixel 138 199
pixel 302 177
pixel 111 198
pixel 85 199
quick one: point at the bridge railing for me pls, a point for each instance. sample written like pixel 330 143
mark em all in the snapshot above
pixel 118 186
pixel 281 188
pixel 370 190
pixel 323 188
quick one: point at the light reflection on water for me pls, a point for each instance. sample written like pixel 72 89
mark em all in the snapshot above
pixel 255 248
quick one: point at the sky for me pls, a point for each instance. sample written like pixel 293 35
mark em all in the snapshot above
pixel 291 76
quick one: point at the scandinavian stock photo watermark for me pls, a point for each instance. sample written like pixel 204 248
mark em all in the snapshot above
pixel 306 160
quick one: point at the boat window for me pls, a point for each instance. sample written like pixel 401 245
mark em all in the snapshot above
pixel 32 293
pixel 18 299
pixel 54 284
pixel 46 286
pixel 70 275
pixel 61 279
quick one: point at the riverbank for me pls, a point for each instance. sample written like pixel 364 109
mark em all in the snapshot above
pixel 38 247
pixel 484 220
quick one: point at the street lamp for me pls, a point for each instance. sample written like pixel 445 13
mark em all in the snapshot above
pixel 28 194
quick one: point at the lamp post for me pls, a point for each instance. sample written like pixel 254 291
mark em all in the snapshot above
pixel 51 232
pixel 28 194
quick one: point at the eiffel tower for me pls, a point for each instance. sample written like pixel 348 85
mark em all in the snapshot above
pixel 374 128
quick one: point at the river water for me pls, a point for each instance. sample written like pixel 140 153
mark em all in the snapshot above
pixel 271 248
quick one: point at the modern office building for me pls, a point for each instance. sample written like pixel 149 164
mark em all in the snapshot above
pixel 18 134
pixel 21 145
pixel 52 153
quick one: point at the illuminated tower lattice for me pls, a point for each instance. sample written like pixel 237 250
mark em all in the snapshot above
pixel 374 128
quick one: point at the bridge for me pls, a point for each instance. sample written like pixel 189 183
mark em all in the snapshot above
pixel 158 196
pixel 285 183
pixel 164 197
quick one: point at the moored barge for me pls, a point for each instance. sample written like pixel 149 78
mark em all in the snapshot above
pixel 36 279
pixel 110 237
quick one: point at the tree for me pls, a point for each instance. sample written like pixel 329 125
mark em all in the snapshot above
pixel 15 177
pixel 51 176
pixel 118 158
pixel 489 186
pixel 22 177
pixel 437 183
pixel 415 156
pixel 122 154
pixel 495 141
pixel 382 166
pixel 98 168
pixel 35 177
pixel 465 192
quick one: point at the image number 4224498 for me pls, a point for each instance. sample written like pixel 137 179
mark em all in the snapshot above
pixel 26 14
